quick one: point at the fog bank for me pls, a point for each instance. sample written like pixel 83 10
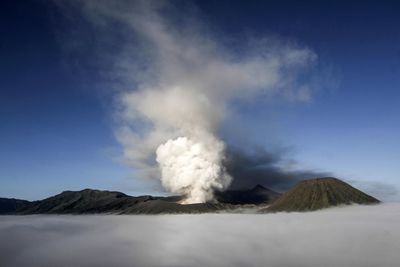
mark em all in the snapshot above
pixel 349 236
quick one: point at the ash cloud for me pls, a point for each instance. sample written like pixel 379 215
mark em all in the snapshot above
pixel 356 236
pixel 258 166
pixel 177 80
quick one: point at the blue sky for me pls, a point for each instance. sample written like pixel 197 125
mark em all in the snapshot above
pixel 56 130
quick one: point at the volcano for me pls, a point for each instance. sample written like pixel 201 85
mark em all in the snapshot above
pixel 318 194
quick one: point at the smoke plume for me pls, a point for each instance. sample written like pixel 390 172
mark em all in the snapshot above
pixel 179 80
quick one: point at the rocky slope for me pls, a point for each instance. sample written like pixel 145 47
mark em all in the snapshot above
pixel 320 193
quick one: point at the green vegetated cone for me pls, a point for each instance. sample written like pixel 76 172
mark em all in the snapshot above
pixel 318 194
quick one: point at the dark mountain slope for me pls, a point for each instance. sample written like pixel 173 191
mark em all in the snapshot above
pixel 85 201
pixel 256 195
pixel 320 193
pixel 12 205
pixel 94 201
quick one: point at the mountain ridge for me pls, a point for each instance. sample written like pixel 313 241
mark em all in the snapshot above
pixel 92 201
pixel 307 195
pixel 10 205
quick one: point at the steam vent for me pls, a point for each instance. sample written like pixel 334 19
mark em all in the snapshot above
pixel 320 193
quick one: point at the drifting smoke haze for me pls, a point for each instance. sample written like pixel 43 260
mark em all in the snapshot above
pixel 176 83
pixel 258 166
pixel 357 236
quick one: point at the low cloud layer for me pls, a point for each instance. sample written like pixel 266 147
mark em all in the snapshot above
pixel 349 236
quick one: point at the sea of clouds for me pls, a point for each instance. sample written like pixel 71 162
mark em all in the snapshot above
pixel 348 236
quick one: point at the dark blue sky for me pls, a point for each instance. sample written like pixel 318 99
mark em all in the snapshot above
pixel 56 125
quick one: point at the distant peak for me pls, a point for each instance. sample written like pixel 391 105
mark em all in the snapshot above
pixel 259 187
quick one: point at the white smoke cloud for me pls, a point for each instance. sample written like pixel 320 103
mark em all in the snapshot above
pixel 193 168
pixel 183 80
pixel 357 236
